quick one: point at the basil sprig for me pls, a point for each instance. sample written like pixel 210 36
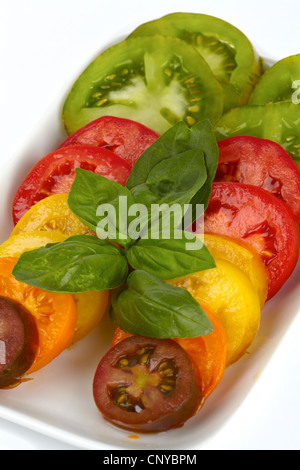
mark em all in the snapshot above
pixel 177 169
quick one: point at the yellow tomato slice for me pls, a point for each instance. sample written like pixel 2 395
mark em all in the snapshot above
pixel 27 241
pixel 51 214
pixel 244 258
pixel 228 291
pixel 90 306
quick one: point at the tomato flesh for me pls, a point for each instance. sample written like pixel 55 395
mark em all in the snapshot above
pixel 227 50
pixel 146 385
pixel 156 81
pixel 262 163
pixel 256 217
pixel 127 139
pixel 55 173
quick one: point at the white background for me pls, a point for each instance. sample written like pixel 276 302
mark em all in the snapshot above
pixel 43 46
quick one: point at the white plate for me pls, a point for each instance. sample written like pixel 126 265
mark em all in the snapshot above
pixel 58 402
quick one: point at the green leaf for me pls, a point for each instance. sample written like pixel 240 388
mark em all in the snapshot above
pixel 173 181
pixel 203 137
pixel 89 193
pixel 170 258
pixel 79 264
pixel 171 170
pixel 153 308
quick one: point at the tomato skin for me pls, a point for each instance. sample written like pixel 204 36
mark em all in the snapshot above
pixel 253 215
pixel 262 163
pixel 55 173
pixel 126 138
pixel 208 353
pixel 142 383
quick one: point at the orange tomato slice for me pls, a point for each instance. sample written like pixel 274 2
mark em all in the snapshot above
pixel 55 314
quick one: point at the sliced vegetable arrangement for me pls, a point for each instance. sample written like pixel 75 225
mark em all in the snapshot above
pixel 176 123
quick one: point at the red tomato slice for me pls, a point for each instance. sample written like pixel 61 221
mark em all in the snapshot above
pixel 146 385
pixel 262 163
pixel 55 173
pixel 128 139
pixel 253 215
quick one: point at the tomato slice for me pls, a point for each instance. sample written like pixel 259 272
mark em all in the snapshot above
pixel 54 314
pixel 253 215
pixel 51 214
pixel 152 80
pixel 232 297
pixel 278 122
pixel 279 82
pixel 55 173
pixel 127 139
pixel 226 49
pixel 146 385
pixel 244 257
pixel 208 353
pixel 262 163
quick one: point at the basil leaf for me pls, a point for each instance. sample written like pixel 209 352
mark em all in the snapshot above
pixel 171 170
pixel 170 258
pixel 171 143
pixel 153 308
pixel 173 181
pixel 79 264
pixel 102 205
pixel 203 137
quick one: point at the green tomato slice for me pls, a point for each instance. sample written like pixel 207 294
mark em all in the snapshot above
pixel 278 122
pixel 281 82
pixel 156 81
pixel 226 49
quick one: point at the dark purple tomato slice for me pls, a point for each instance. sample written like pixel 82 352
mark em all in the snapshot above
pixel 18 343
pixel 146 385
